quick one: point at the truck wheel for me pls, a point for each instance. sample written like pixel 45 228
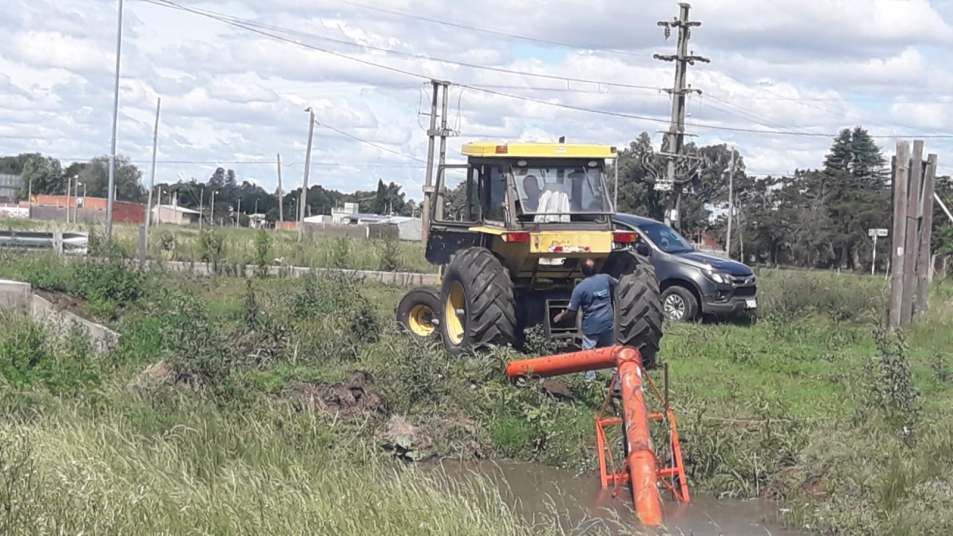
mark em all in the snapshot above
pixel 638 312
pixel 679 304
pixel 418 312
pixel 477 305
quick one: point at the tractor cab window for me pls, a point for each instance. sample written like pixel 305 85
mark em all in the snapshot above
pixel 494 182
pixel 562 193
pixel 459 195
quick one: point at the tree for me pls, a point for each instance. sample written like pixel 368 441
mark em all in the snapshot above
pixel 42 174
pixel 95 176
pixel 380 200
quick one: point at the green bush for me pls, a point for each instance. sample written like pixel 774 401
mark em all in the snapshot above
pixel 212 248
pixel 31 356
pixel 108 286
pixel 390 256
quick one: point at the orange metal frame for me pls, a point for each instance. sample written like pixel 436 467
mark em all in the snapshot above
pixel 640 469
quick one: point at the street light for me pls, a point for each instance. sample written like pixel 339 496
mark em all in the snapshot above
pixel 212 211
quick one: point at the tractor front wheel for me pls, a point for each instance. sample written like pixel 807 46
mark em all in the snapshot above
pixel 418 312
pixel 477 305
pixel 638 310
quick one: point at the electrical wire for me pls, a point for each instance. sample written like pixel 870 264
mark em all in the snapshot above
pixel 237 23
pixel 368 142
pixel 264 28
pixel 489 31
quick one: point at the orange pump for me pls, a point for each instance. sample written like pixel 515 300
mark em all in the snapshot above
pixel 644 474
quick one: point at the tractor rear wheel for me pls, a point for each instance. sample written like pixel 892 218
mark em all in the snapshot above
pixel 638 310
pixel 477 305
pixel 418 312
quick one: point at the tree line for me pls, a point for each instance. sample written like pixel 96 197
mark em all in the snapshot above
pixel 46 175
pixel 815 218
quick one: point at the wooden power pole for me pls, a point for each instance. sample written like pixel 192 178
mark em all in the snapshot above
pixel 281 196
pixel 307 173
pixel 675 138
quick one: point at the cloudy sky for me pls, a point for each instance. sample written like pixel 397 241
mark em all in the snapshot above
pixel 236 96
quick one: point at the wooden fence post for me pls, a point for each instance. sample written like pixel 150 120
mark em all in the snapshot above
pixel 897 237
pixel 925 260
pixel 911 242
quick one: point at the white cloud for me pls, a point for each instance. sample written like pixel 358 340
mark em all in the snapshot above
pixel 806 65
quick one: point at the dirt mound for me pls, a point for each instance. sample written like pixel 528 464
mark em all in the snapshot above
pixel 347 399
pixel 153 377
pixel 406 441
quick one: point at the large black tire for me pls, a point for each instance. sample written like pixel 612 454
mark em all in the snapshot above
pixel 638 310
pixel 679 304
pixel 477 308
pixel 418 312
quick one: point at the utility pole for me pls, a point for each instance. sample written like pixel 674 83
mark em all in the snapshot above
pixel 731 201
pixel 281 197
pixel 152 179
pixel 110 188
pixel 676 132
pixel 201 207
pixel 307 173
pixel 69 187
pixel 211 222
pixel 428 180
pixel 238 213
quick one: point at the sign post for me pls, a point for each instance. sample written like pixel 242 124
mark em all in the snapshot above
pixel 875 234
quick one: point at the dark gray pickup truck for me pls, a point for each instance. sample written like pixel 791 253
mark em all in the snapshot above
pixel 692 283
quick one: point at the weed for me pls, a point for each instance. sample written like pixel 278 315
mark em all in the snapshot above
pixel 340 252
pixel 262 251
pixel 212 248
pixel 890 387
pixel 940 368
pixel 390 256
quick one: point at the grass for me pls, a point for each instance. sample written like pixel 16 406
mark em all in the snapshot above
pixel 812 405
pixel 242 246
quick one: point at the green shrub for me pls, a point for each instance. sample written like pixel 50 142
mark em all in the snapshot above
pixel 262 251
pixel 212 248
pixel 339 254
pixel 108 285
pixel 390 256
pixel 890 386
pixel 31 356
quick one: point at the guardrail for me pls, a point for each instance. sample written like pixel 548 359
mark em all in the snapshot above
pixel 60 242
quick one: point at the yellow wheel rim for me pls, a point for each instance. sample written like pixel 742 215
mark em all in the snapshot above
pixel 455 313
pixel 420 320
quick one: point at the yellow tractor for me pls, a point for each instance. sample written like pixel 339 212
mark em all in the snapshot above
pixel 510 230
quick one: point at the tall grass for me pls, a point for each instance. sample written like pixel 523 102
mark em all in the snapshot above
pixel 228 475
pixel 241 246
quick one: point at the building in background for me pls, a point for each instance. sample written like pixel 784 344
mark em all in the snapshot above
pixel 85 209
pixel 10 188
pixel 175 215
pixel 343 215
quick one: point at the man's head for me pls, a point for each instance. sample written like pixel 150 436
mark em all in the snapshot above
pixel 531 190
pixel 588 267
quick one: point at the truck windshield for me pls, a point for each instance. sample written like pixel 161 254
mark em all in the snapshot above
pixel 554 194
pixel 666 238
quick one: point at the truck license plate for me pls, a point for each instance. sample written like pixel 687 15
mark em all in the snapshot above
pixel 751 303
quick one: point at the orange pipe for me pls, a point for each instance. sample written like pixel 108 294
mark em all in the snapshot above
pixel 641 459
pixel 554 365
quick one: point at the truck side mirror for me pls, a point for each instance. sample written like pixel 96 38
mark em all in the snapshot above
pixel 643 249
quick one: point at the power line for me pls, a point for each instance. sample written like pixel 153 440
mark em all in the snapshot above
pixel 489 31
pixel 259 26
pixel 369 143
pixel 234 22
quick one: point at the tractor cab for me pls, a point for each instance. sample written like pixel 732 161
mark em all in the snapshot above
pixel 542 206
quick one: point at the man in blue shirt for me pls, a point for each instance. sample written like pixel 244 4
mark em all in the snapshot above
pixel 594 296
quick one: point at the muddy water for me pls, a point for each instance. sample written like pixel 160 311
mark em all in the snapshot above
pixel 581 505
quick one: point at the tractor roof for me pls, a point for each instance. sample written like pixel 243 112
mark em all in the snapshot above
pixel 538 150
